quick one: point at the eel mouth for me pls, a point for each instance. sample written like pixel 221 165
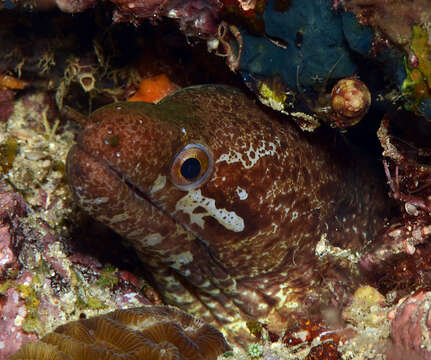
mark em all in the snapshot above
pixel 83 167
pixel 133 188
pixel 84 170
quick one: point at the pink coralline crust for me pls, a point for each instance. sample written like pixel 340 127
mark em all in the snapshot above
pixel 85 260
pixel 6 103
pixel 124 299
pixel 56 263
pixel 7 257
pixel 13 311
pixel 394 19
pixel 74 6
pixel 411 326
pixel 195 17
pixel 12 206
pixel 49 306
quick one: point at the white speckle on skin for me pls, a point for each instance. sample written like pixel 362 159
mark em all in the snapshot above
pixel 194 199
pixel 242 194
pixel 252 155
pixel 101 200
pixel 152 239
pixel 158 184
pixel 119 218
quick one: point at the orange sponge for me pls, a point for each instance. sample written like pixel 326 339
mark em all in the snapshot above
pixel 154 89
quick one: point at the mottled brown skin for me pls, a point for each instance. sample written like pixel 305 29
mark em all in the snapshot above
pixel 290 190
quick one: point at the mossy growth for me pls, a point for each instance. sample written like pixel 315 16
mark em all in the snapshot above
pixel 255 328
pixel 417 84
pixel 31 298
pixel 274 91
pixel 108 277
pixel 91 303
pixel 8 152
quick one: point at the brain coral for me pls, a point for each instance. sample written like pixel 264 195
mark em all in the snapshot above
pixel 150 332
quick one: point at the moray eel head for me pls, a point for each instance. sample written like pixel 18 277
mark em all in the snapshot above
pixel 228 207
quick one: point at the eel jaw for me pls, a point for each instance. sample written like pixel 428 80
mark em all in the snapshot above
pixel 105 193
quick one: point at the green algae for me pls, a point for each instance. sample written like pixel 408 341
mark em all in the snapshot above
pixel 92 303
pixel 255 328
pixel 8 152
pixel 108 277
pixel 31 322
pixel 268 92
pixel 421 48
pixel 417 84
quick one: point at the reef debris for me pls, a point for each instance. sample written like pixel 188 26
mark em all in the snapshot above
pixel 404 251
pixel 195 18
pixel 45 276
pixel 154 332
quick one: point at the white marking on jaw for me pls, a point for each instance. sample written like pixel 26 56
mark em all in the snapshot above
pixel 242 193
pixel 158 184
pixel 194 199
pixel 263 149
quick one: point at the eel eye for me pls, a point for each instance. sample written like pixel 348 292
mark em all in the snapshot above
pixel 192 167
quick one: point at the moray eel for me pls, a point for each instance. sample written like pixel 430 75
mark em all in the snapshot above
pixel 235 212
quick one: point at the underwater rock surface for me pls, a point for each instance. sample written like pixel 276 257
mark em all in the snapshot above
pixel 411 327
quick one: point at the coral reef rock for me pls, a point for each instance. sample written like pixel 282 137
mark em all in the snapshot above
pixel 401 259
pixel 411 327
pixel 150 332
